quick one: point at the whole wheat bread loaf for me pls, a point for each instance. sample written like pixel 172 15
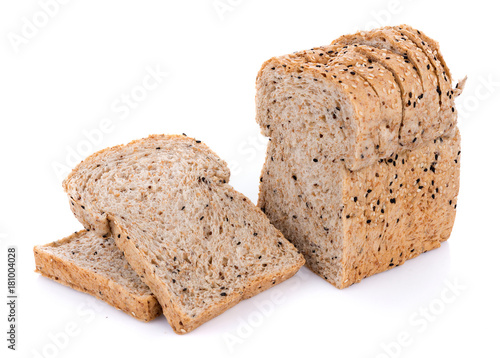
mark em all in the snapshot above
pixel 357 191
pixel 197 243
pixel 92 264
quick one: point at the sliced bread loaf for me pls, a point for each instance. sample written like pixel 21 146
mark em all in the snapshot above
pixel 92 264
pixel 196 242
pixel 329 183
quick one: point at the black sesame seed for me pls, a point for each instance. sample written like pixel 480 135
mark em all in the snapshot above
pixel 223 294
pixel 294 177
pixel 315 160
pixel 355 198
pixel 393 200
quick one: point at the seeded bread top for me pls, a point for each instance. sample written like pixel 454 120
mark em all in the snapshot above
pixel 362 129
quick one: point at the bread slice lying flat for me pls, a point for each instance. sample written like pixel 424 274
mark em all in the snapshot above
pixel 356 189
pixel 94 265
pixel 196 242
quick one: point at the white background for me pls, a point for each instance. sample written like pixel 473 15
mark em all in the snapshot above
pixel 69 76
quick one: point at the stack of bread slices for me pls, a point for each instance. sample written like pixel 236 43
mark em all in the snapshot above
pixel 165 232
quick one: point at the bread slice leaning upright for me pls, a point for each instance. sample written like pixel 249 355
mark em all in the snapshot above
pixel 197 243
pixel 94 265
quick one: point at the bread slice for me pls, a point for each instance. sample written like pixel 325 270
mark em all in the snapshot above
pixel 196 242
pixel 447 93
pixel 346 105
pixel 392 40
pixel 384 84
pixel 351 206
pixel 95 265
